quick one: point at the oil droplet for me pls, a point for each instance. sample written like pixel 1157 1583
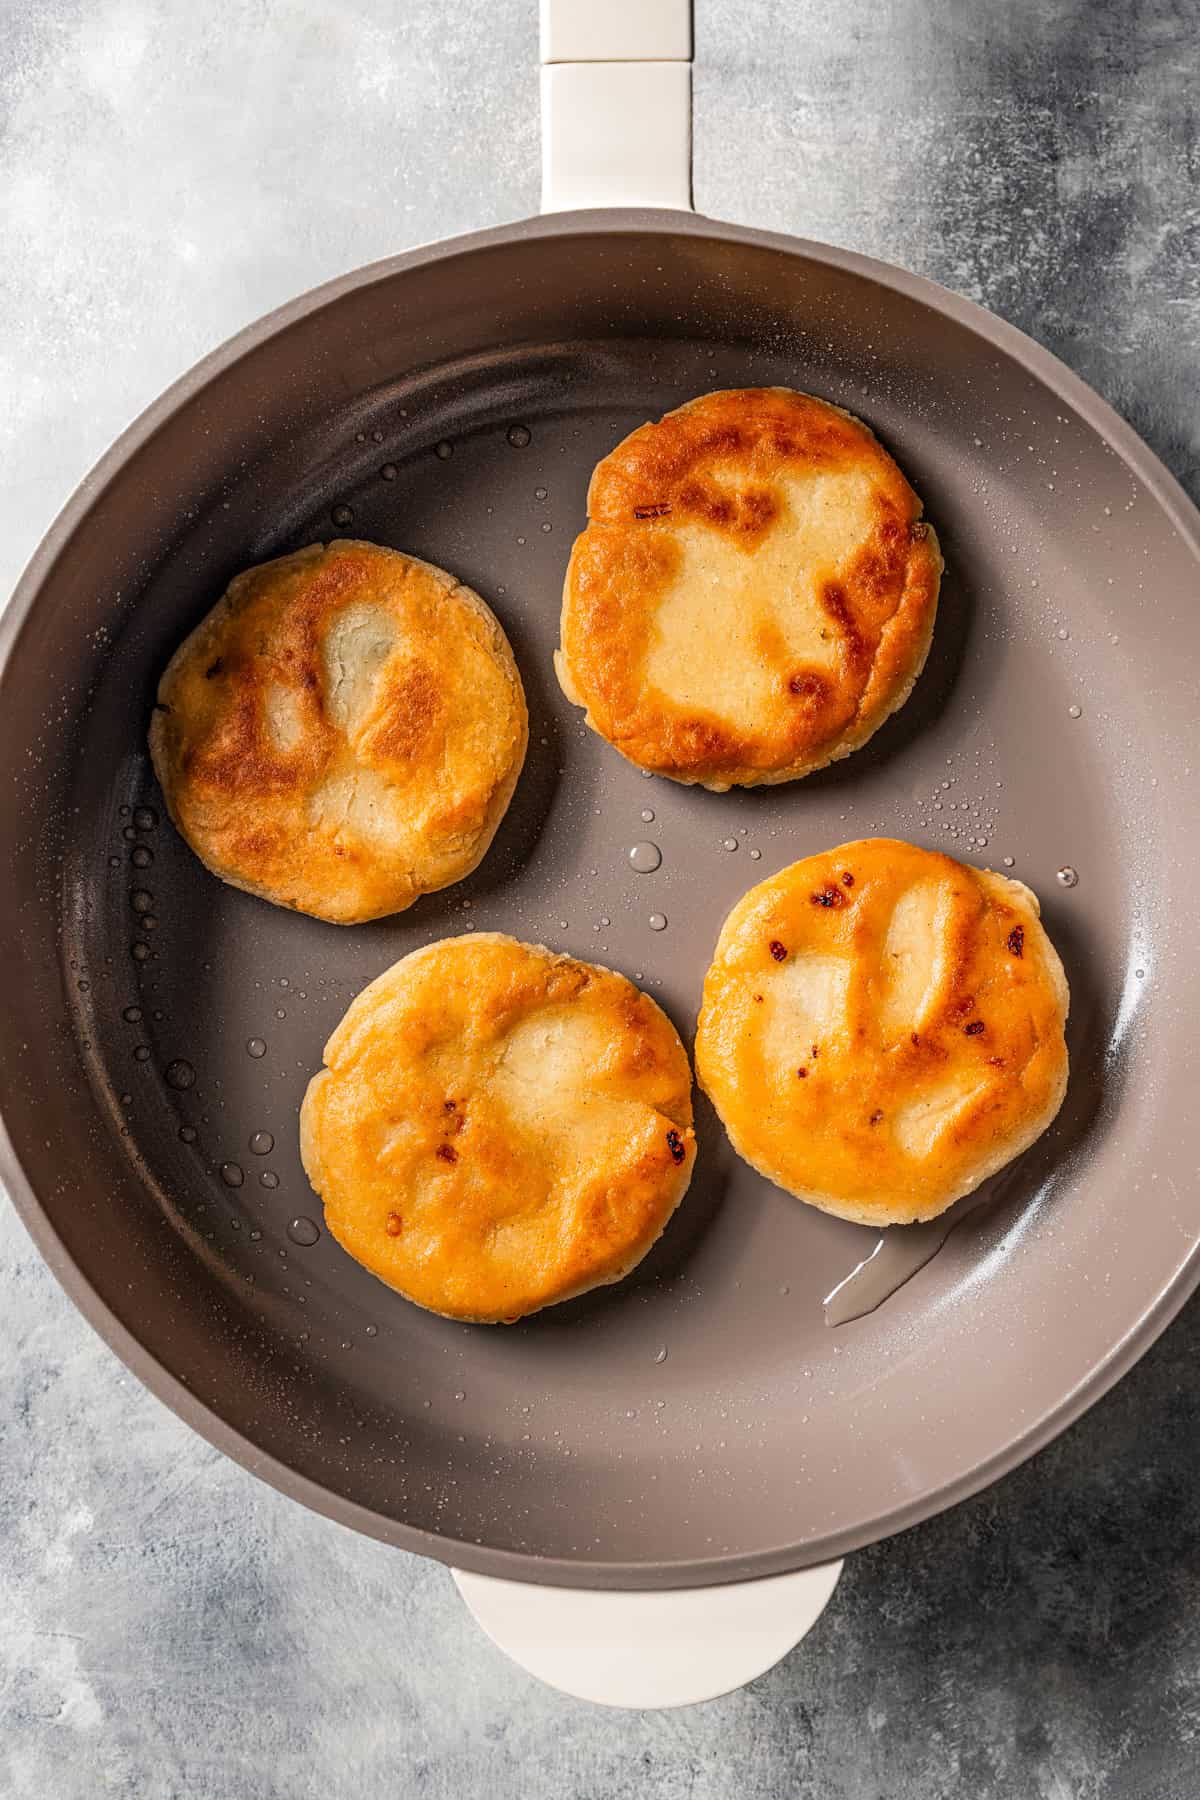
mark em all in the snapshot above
pixel 232 1174
pixel 187 1134
pixel 256 1047
pixel 518 436
pixel 645 858
pixel 141 901
pixel 1076 712
pixel 443 451
pixel 389 471
pixel 141 856
pixel 647 816
pixel 269 1179
pixel 180 1075
pixel 302 1231
pixel 262 1143
pixel 342 515
pixel 132 1014
pixel 660 1355
pixel 658 921
pixel 145 818
pixel 729 844
pixel 139 952
pixel 1067 876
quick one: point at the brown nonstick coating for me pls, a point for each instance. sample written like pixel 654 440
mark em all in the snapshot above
pixel 699 1422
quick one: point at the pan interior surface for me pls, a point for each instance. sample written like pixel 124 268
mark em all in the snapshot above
pixel 700 1421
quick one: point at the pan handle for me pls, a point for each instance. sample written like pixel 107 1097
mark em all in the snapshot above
pixel 649 1650
pixel 616 103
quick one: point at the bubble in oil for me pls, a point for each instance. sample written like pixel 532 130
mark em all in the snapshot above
pixel 303 1231
pixel 342 515
pixel 128 833
pixel 141 901
pixel 443 451
pixel 139 951
pixel 132 1014
pixel 141 856
pixel 647 816
pixel 371 1330
pixel 145 818
pixel 546 525
pixel 262 1143
pixel 518 436
pixel 256 1047
pixel 658 921
pixel 232 1174
pixel 1075 712
pixel 389 471
pixel 114 862
pixel 187 1134
pixel 660 1355
pixel 756 856
pixel 142 1053
pixel 268 1179
pixel 644 858
pixel 729 844
pixel 1067 876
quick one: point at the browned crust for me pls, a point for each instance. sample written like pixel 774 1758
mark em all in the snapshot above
pixel 440 745
pixel 436 1184
pixel 880 600
pixel 993 1021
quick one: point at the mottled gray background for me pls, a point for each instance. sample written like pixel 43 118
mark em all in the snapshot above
pixel 168 170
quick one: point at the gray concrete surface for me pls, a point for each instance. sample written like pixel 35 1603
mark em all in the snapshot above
pixel 169 1627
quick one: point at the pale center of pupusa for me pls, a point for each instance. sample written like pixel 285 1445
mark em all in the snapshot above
pixel 728 604
pixel 809 1001
pixel 546 1077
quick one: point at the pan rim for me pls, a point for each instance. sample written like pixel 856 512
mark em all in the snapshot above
pixel 1074 393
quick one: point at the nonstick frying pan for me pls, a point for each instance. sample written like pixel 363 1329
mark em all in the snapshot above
pixel 700 1423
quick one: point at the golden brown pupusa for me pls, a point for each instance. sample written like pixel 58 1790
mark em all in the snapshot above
pixel 882 1029
pixel 499 1127
pixel 343 731
pixel 754 593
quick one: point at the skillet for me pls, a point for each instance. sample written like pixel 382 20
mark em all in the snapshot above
pixel 452 401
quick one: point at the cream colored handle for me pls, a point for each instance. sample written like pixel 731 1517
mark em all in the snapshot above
pixel 616 103
pixel 652 1650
